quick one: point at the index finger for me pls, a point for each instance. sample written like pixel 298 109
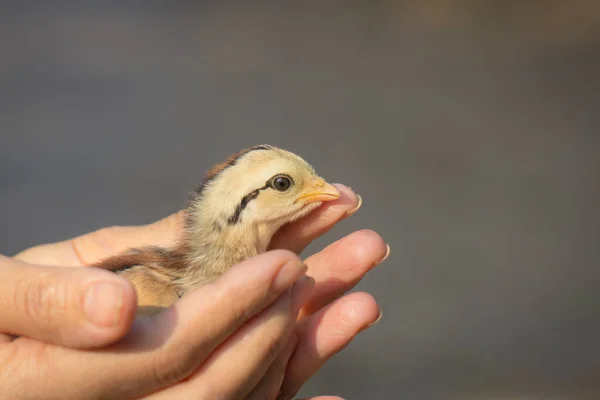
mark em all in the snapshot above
pixel 297 235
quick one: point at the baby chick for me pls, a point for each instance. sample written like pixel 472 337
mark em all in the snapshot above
pixel 232 216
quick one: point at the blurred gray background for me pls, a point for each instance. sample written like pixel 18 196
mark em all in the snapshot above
pixel 470 129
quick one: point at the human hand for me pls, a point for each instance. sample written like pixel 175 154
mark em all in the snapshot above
pixel 326 325
pixel 193 347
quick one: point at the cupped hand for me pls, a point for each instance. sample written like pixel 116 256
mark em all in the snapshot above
pixel 192 346
pixel 327 322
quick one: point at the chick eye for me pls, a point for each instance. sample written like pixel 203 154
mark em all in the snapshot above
pixel 281 183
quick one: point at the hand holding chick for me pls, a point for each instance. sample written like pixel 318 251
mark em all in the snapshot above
pixel 328 322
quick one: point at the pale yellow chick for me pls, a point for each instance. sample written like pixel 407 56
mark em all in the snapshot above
pixel 232 216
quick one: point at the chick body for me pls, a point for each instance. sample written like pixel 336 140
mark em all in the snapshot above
pixel 231 216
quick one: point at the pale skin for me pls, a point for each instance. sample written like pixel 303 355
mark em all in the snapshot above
pixel 259 331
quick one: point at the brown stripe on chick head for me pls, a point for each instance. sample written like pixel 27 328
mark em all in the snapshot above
pixel 222 166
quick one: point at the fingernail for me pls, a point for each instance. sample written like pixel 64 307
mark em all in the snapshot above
pixel 302 291
pixel 103 303
pixel 372 323
pixel 376 321
pixel 358 205
pixel 387 254
pixel 288 274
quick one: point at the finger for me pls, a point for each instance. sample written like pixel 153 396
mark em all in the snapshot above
pixel 79 308
pixel 270 384
pixel 168 348
pixel 326 333
pixel 297 235
pixel 244 358
pixel 94 246
pixel 341 265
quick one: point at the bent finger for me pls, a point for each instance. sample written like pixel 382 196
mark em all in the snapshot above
pixel 78 308
pixel 326 333
pixel 341 265
pixel 297 235
pixel 259 344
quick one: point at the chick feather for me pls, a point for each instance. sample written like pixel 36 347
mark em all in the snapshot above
pixel 231 216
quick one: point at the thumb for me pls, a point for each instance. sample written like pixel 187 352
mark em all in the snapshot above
pixel 72 307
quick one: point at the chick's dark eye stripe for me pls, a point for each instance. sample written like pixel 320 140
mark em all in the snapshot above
pixel 237 214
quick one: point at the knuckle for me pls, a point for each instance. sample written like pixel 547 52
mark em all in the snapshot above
pixel 241 312
pixel 42 301
pixel 38 360
pixel 169 367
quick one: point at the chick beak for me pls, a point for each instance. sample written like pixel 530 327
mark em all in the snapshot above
pixel 321 191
